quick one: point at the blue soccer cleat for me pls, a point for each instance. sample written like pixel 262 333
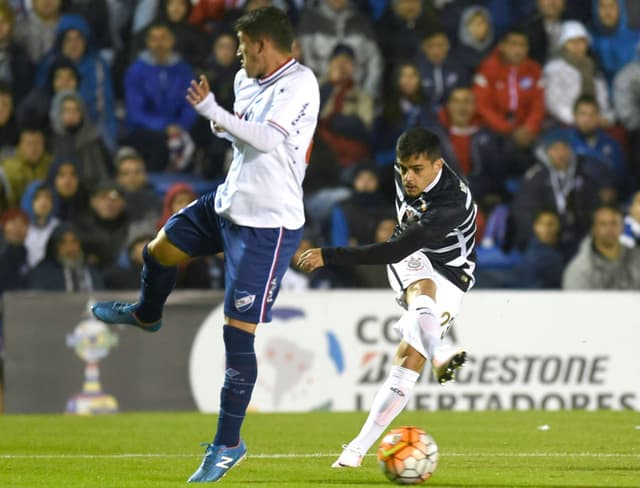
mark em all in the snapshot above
pixel 217 462
pixel 122 313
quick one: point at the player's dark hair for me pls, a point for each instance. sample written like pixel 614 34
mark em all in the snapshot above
pixel 416 141
pixel 269 22
pixel 587 99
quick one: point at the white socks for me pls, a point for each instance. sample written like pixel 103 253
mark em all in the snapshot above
pixel 390 400
pixel 426 312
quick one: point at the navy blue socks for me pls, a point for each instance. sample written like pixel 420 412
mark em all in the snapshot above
pixel 240 376
pixel 157 281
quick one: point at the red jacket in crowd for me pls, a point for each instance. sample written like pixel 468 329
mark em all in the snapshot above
pixel 509 96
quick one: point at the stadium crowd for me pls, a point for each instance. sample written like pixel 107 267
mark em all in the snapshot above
pixel 537 102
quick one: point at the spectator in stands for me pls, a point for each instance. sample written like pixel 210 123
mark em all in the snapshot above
pixel 572 74
pixel 127 277
pixel 588 139
pixel 440 71
pixel 542 261
pixel 614 43
pixel 178 196
pixel 97 15
pixel 70 197
pixel 8 127
pixel 13 253
pixel 354 220
pixel 142 201
pixel 220 69
pixel 560 182
pixel 399 30
pixel 157 112
pixel 631 233
pixel 323 186
pixel 336 22
pixel 75 137
pixel 64 267
pixel 15 67
pixel 194 273
pixel 104 226
pixel 470 147
pixel 346 110
pixel 190 41
pixel 603 263
pixel 36 31
pixel 475 38
pixel 30 162
pixel 626 99
pixel 375 276
pixel 34 108
pixel 38 204
pixel 510 97
pixel 544 29
pixel 404 107
pixel 73 41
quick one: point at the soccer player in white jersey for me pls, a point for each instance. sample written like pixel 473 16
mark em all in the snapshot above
pixel 430 260
pixel 256 216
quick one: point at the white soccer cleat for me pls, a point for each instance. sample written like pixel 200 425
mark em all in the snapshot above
pixel 445 363
pixel 350 458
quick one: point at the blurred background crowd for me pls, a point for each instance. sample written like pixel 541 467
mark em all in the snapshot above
pixel 537 102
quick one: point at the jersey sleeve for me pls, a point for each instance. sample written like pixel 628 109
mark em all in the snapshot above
pixel 409 241
pixel 295 104
pixel 430 231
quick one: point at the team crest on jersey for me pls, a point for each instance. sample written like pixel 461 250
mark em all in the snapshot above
pixel 243 300
pixel 414 264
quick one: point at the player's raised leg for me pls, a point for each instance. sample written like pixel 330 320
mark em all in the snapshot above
pixel 158 277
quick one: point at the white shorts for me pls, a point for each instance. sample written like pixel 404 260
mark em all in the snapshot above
pixel 449 297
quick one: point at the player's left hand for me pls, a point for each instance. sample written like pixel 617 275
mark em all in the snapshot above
pixel 311 260
pixel 198 92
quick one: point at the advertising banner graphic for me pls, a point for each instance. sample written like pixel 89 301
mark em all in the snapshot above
pixel 527 350
pixel 324 350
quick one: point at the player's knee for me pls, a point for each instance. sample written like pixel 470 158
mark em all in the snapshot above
pixel 421 287
pixel 408 357
pixel 164 252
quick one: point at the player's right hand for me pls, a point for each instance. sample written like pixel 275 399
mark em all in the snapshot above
pixel 198 92
pixel 311 260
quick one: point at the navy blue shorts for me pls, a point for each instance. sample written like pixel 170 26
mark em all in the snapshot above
pixel 255 259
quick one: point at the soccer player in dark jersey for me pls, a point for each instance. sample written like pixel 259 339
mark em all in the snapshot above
pixel 430 260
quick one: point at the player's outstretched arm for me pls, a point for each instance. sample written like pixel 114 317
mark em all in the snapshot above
pixel 411 240
pixel 262 137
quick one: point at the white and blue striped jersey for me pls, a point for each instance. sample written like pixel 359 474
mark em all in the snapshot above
pixel 264 189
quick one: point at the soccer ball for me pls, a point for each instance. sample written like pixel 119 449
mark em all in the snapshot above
pixel 408 455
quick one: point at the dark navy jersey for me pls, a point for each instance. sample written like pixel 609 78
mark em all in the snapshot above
pixel 441 223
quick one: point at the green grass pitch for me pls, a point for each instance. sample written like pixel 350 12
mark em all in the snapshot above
pixel 477 449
